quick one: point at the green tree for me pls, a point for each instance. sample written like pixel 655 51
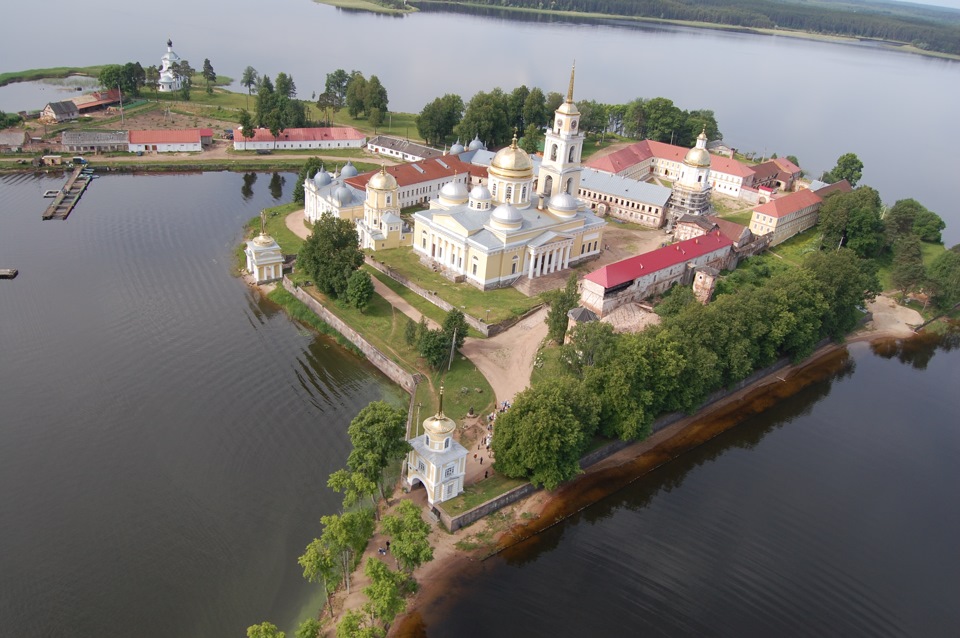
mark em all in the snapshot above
pixel 274 122
pixel 209 75
pixel 266 100
pixel 249 79
pixel 928 226
pixel 436 121
pixel 354 486
pixel 515 104
pixel 375 96
pixel 665 122
pixel 329 104
pixel 434 347
pixel 422 330
pixel 899 219
pixel 309 628
pixel 676 299
pixel 152 78
pixel 356 94
pixel 331 254
pixel 336 85
pixel 849 167
pixel 346 535
pixel 944 278
pixel 310 168
pixel 908 272
pixel 486 116
pixel 455 327
pixel 593 116
pixel 375 119
pixel 410 332
pixel 853 220
pixel 846 282
pixel 378 434
pixel 385 592
pixel 592 343
pixel 635 118
pixel 696 122
pixel 542 436
pixel 561 302
pixel 355 624
pixel 535 109
pixel 247 128
pixel 321 564
pixel 186 73
pixel 531 140
pixel 360 290
pixel 264 630
pixel 553 102
pixel 410 536
pixel 284 86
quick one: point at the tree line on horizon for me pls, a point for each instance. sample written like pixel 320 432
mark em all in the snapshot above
pixel 495 116
pixel 927 28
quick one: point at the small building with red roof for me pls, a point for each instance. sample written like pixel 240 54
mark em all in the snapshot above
pixel 652 273
pixel 298 138
pixel 170 140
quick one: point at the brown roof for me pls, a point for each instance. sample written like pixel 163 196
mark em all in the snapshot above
pixel 791 203
pixel 843 186
pixel 640 151
pixel 731 230
pixel 430 169
pixel 332 133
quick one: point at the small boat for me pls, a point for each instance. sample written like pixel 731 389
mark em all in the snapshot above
pixel 9 273
pixel 52 193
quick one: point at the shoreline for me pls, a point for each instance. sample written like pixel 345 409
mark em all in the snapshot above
pixel 543 510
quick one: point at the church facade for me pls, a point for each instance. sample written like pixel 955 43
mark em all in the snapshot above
pixel 515 225
pixel 170 80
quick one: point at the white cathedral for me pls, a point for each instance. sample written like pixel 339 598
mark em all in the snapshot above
pixel 516 225
pixel 169 79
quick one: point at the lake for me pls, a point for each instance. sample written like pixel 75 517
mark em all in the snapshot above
pixel 167 433
pixel 153 483
pixel 814 100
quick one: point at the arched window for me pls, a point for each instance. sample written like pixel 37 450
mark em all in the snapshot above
pixel 494 193
pixel 509 193
pixel 553 152
pixel 569 185
pixel 573 150
pixel 548 184
pixel 523 194
pixel 446 444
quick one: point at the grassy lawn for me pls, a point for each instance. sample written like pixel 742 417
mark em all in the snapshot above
pixel 415 300
pixel 503 303
pixel 742 218
pixel 797 247
pixel 548 365
pixel 480 493
pixel 930 252
pixel 592 143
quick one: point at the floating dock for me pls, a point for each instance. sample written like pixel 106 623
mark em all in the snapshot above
pixel 9 273
pixel 68 196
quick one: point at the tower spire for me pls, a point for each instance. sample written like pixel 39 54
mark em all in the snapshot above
pixel 440 409
pixel 573 70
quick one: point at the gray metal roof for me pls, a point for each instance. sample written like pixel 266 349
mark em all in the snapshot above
pixel 405 146
pixel 624 187
pixel 94 137
pixel 64 108
pixel 12 138
pixel 437 457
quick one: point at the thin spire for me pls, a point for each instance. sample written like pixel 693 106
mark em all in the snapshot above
pixel 573 70
pixel 440 409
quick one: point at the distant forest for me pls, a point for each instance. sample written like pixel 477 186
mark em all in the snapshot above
pixel 927 28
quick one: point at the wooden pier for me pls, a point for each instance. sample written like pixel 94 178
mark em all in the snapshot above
pixel 68 196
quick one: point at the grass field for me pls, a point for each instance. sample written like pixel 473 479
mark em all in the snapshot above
pixel 53 72
pixel 503 303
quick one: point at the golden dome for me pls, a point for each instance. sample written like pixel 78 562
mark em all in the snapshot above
pixel 264 240
pixel 512 158
pixel 697 157
pixel 438 425
pixel 382 181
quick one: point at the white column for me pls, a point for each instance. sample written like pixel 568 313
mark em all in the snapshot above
pixel 566 260
pixel 530 266
pixel 539 268
pixel 556 260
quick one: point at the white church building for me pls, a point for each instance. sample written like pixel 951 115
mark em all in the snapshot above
pixel 436 460
pixel 169 80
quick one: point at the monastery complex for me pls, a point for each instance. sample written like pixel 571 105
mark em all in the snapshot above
pixel 494 219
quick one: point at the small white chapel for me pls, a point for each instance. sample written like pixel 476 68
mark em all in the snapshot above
pixel 436 460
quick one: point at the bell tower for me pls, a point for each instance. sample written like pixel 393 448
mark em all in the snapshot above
pixel 562 149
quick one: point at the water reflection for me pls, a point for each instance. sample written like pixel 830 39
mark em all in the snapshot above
pixel 246 190
pixel 276 186
pixel 918 351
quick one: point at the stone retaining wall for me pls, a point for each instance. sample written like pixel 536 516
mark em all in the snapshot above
pixel 453 523
pixel 386 365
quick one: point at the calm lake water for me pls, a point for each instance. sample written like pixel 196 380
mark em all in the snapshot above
pixel 832 514
pixel 152 482
pixel 166 434
pixel 814 100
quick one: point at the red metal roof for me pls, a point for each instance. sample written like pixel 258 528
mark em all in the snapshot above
pixel 629 269
pixel 407 174
pixel 175 136
pixel 640 151
pixel 791 203
pixel 318 134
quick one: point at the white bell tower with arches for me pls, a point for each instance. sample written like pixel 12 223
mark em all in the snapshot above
pixel 562 150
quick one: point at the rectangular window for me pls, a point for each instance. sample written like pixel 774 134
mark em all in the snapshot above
pixel 447 473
